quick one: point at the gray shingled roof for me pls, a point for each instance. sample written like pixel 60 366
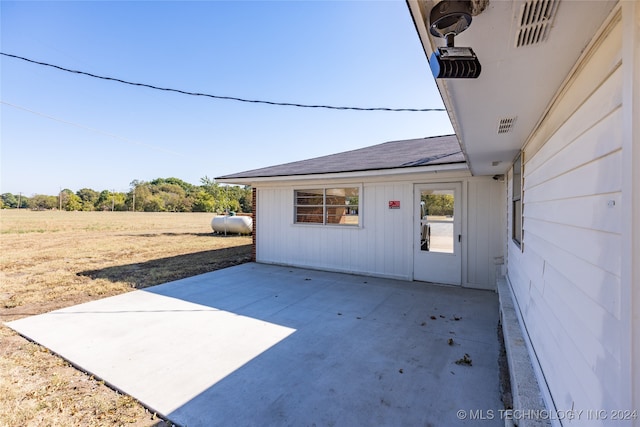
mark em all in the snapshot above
pixel 438 150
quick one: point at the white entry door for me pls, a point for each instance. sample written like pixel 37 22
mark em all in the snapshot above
pixel 437 233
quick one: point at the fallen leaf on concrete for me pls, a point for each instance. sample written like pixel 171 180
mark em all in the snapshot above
pixel 465 360
pixel 450 341
pixel 433 317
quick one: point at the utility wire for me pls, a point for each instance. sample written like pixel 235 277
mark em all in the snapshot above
pixel 129 141
pixel 228 98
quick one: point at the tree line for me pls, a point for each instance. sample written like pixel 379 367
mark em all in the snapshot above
pixel 438 204
pixel 159 195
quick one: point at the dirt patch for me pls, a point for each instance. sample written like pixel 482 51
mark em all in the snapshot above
pixel 51 260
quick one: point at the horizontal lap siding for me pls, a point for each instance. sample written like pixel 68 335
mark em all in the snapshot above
pixel 567 279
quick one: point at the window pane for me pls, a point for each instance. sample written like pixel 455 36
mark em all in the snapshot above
pixel 516 199
pixel 309 197
pixel 436 220
pixel 327 206
pixel 342 205
pixel 517 221
pixel 517 179
pixel 309 214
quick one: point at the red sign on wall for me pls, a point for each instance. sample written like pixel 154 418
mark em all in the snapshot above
pixel 394 204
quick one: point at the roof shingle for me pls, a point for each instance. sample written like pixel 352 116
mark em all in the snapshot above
pixel 438 150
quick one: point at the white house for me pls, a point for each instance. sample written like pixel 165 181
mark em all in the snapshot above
pixel 546 195
pixel 359 212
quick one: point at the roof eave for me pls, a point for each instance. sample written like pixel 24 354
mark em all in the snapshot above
pixel 448 167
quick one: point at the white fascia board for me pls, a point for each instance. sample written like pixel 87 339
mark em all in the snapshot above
pixel 349 175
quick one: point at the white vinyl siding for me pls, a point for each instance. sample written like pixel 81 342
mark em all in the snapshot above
pixel 383 243
pixel 567 278
pixel 376 248
pixel 327 206
pixel 484 254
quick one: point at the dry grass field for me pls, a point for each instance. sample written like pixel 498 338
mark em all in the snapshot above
pixel 50 260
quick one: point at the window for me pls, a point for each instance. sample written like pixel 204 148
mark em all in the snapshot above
pixel 516 202
pixel 327 206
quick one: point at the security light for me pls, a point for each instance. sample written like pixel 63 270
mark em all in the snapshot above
pixel 448 19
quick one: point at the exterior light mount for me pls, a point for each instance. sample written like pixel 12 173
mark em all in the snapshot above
pixel 448 19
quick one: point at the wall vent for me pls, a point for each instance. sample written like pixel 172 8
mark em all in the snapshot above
pixel 506 125
pixel 535 20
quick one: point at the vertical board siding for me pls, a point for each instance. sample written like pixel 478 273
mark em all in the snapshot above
pixel 379 247
pixel 567 278
pixel 384 244
pixel 485 202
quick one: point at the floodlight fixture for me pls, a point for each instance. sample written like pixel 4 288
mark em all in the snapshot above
pixel 447 19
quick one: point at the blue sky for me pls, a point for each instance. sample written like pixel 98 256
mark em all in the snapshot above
pixel 62 130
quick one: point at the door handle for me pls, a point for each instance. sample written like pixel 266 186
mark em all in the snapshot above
pixel 459 238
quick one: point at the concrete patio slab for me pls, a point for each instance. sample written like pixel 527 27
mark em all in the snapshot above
pixel 268 345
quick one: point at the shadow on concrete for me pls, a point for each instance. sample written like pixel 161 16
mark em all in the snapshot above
pixel 162 270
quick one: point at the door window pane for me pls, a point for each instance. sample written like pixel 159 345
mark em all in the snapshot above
pixel 436 220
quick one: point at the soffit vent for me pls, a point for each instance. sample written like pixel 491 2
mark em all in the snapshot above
pixel 535 20
pixel 506 125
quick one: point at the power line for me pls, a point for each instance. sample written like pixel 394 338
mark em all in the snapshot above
pixel 129 141
pixel 227 98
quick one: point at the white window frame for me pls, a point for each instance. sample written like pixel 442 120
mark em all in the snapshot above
pixel 324 189
pixel 517 215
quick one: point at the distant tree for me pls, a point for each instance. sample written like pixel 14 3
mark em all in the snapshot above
pixel 43 202
pixel 228 197
pixel 208 182
pixel 171 193
pixel 154 203
pixel 203 202
pixel 172 201
pixel 69 201
pixel 119 201
pixel 23 201
pixel 104 201
pixel 438 204
pixel 159 195
pixel 9 200
pixel 246 199
pixel 174 181
pixel 139 195
pixel 88 198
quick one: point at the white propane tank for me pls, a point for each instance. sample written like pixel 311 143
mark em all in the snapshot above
pixel 232 224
